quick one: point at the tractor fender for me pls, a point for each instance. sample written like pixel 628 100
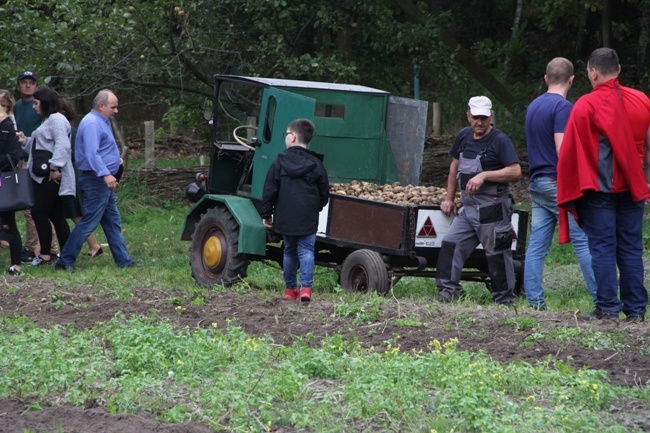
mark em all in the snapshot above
pixel 252 233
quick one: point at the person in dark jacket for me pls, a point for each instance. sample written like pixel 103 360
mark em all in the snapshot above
pixel 295 191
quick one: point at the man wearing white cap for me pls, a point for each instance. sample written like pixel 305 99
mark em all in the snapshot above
pixel 484 162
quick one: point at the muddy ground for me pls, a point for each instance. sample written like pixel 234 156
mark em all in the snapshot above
pixel 259 316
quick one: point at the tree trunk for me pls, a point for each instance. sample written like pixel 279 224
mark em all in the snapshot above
pixel 582 27
pixel 464 57
pixel 515 31
pixel 644 36
pixel 606 24
pixel 344 39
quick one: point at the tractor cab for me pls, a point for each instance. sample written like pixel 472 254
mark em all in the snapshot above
pixel 250 115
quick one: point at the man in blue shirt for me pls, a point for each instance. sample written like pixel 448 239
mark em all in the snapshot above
pixel 98 160
pixel 546 118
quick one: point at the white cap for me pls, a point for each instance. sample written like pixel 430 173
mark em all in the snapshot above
pixel 480 106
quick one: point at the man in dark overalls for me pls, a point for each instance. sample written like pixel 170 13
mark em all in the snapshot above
pixel 484 162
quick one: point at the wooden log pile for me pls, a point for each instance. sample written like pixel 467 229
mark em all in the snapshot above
pixel 171 146
pixel 164 183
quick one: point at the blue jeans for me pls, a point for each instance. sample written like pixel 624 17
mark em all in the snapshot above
pixel 543 194
pixel 299 249
pixel 613 223
pixel 99 207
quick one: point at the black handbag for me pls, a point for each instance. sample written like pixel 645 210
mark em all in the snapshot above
pixel 16 189
pixel 120 172
pixel 40 161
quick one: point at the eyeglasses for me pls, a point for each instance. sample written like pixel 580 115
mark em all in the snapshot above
pixel 287 133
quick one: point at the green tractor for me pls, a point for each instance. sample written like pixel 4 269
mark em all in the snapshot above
pixel 365 134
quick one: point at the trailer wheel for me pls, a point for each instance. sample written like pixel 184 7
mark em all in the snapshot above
pixel 365 271
pixel 215 258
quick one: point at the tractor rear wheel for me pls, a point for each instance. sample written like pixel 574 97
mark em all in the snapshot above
pixel 215 258
pixel 365 271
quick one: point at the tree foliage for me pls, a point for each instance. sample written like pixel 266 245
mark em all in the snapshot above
pixel 172 49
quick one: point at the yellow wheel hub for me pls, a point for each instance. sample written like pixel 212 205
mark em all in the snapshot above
pixel 212 251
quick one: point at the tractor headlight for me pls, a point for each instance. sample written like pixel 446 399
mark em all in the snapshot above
pixel 194 192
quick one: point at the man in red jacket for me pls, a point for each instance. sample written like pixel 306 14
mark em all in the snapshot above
pixel 601 179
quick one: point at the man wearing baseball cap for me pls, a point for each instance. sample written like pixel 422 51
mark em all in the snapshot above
pixel 27 120
pixel 484 162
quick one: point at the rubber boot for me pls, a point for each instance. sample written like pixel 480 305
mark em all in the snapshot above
pixel 501 293
pixel 291 294
pixel 305 294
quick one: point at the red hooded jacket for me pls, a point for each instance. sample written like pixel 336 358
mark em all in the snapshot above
pixel 611 114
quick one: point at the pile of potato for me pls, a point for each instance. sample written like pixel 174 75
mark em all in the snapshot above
pixel 408 195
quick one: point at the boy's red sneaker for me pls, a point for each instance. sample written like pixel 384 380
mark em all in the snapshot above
pixel 291 294
pixel 305 294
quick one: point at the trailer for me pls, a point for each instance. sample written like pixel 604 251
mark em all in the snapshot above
pixel 373 245
pixel 365 134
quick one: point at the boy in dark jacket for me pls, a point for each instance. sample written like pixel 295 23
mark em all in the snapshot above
pixel 295 191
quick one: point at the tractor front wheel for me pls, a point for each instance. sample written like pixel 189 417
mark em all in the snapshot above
pixel 215 256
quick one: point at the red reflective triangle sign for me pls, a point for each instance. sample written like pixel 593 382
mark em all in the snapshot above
pixel 427 230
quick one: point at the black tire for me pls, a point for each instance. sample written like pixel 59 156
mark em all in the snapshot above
pixel 519 277
pixel 365 271
pixel 215 243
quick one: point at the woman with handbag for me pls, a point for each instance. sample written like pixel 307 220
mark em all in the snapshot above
pixel 7 102
pixel 50 167
pixel 9 157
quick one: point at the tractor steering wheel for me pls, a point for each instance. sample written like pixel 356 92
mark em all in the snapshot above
pixel 246 142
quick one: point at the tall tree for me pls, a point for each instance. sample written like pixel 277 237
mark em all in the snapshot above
pixel 136 46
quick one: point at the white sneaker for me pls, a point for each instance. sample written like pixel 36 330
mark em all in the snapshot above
pixel 14 270
pixel 38 260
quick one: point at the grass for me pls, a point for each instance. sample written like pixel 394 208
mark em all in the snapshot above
pixel 144 364
pixel 235 382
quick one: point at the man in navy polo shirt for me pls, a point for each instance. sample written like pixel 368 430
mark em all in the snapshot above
pixel 546 118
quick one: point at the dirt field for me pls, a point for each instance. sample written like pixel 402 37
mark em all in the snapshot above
pixel 628 367
pixel 258 316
